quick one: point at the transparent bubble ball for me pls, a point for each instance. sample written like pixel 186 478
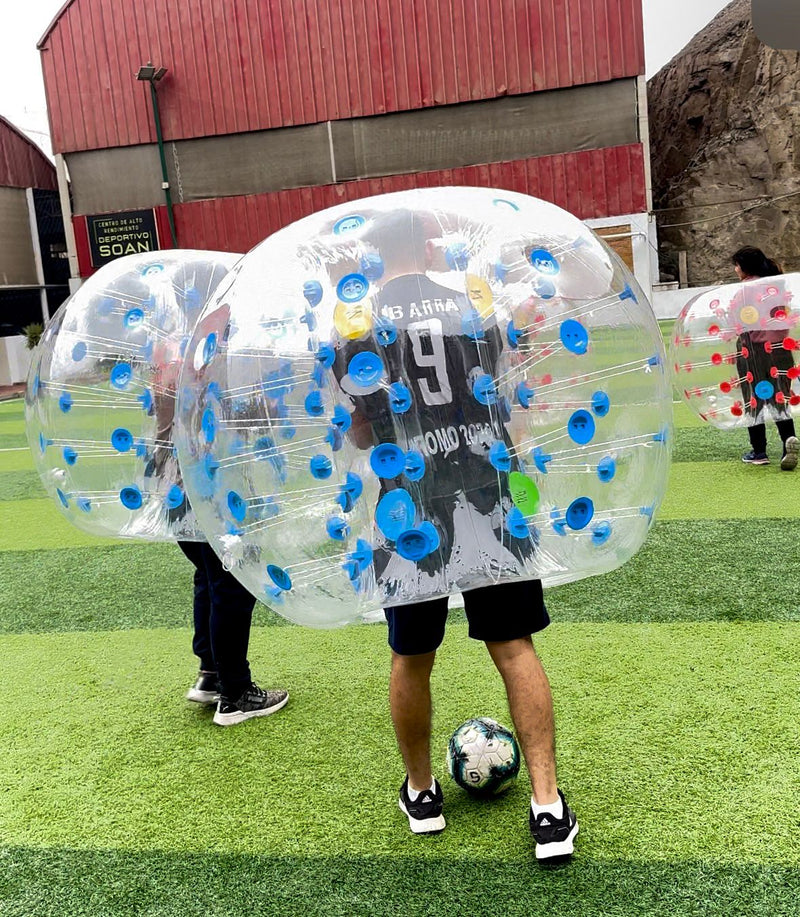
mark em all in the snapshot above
pixel 100 399
pixel 733 352
pixel 422 393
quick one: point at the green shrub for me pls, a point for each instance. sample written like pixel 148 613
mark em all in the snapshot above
pixel 32 333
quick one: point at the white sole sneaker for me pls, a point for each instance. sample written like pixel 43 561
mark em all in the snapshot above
pixel 202 697
pixel 239 716
pixel 558 849
pixel 789 461
pixel 423 825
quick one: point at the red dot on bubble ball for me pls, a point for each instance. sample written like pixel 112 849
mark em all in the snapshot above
pixel 789 344
pixel 716 358
pixel 745 352
pixel 736 409
pixel 713 329
pixel 780 397
pixel 687 367
pixel 749 377
pixel 754 402
pixel 768 347
pixel 677 368
pixel 780 314
pixel 773 371
pixel 725 387
pixel 794 372
pixel 795 399
pixel 547 379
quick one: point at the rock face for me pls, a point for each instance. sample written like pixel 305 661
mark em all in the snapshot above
pixel 725 136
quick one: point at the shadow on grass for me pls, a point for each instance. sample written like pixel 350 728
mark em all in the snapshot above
pixel 39 882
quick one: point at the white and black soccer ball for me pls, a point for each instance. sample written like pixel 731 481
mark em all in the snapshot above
pixel 483 756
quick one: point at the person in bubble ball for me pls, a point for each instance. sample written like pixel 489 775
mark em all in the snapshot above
pixel 750 263
pixel 438 356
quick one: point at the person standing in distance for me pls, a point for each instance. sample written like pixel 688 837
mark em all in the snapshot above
pixel 751 263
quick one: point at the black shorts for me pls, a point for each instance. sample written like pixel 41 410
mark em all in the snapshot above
pixel 507 611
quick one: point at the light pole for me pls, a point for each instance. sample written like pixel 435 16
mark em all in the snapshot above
pixel 148 73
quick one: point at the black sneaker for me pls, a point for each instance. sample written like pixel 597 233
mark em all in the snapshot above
pixel 253 702
pixel 756 458
pixel 554 836
pixel 205 689
pixel 425 812
pixel 791 448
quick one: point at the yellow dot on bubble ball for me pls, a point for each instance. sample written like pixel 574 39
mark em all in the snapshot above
pixel 749 315
pixel 480 295
pixel 353 320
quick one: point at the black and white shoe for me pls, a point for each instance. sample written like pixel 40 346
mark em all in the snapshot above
pixel 205 690
pixel 755 458
pixel 791 448
pixel 253 702
pixel 554 836
pixel 425 812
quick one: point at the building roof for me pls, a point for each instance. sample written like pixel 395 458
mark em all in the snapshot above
pixel 22 163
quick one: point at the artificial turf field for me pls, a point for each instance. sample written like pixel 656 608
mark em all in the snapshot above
pixel 678 714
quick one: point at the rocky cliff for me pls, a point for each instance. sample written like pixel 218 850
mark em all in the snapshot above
pixel 725 136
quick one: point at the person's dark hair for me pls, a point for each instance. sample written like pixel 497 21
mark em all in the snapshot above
pixel 401 236
pixel 754 263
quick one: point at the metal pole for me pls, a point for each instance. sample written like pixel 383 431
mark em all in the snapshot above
pixel 164 175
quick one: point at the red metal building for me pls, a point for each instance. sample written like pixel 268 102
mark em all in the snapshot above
pixel 33 269
pixel 271 109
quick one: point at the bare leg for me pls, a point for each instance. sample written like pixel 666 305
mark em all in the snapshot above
pixel 410 703
pixel 531 705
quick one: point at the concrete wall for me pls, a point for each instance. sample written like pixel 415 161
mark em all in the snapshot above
pixel 15 360
pixel 668 303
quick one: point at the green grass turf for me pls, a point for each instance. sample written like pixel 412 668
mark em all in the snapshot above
pixel 9 439
pixel 730 490
pixel 12 423
pixel 703 570
pixel 127 773
pixel 677 714
pixel 706 444
pixel 17 459
pixel 37 524
pixel 20 485
pixel 42 882
pixel 265 886
pixel 11 407
pixel 111 587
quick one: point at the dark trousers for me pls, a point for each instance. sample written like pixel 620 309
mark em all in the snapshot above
pixel 758 434
pixel 223 611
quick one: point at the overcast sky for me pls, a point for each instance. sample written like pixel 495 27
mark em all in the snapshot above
pixel 668 26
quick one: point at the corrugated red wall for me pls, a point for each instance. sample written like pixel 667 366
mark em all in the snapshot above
pixel 22 163
pixel 242 65
pixel 589 184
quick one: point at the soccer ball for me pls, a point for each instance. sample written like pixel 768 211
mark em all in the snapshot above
pixel 483 757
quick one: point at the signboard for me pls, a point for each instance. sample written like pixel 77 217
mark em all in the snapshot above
pixel 112 235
